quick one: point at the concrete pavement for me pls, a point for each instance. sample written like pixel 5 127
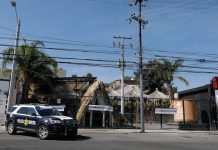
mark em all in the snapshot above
pixel 128 131
pixel 2 129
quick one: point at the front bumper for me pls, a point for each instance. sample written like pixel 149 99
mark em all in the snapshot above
pixel 63 129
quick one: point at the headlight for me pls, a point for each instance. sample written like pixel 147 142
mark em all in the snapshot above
pixel 54 121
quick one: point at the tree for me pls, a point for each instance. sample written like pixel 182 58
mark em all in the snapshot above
pixel 168 69
pixel 156 74
pixel 74 76
pixel 89 75
pixel 127 78
pixel 152 78
pixel 33 66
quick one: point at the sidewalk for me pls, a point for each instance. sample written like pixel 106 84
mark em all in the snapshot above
pixel 2 129
pixel 129 131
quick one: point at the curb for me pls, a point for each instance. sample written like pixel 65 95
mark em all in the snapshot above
pixel 133 131
pixel 129 131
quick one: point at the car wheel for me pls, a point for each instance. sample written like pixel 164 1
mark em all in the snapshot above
pixel 42 132
pixel 11 128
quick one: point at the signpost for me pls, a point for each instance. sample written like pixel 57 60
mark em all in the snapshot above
pixel 101 108
pixel 167 111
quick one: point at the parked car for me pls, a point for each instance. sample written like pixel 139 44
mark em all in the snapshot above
pixel 44 120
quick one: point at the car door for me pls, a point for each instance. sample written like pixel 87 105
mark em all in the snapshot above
pixel 21 118
pixel 31 119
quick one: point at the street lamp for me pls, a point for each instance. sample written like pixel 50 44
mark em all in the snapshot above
pixel 11 93
pixel 13 3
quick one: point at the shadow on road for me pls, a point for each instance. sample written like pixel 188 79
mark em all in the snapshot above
pixel 20 133
pixel 59 138
pixel 74 138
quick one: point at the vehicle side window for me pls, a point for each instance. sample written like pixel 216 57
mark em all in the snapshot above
pixel 31 111
pixel 23 110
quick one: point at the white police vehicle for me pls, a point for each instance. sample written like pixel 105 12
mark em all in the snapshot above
pixel 40 119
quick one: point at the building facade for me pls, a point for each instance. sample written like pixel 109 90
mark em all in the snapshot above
pixel 206 101
pixel 4 86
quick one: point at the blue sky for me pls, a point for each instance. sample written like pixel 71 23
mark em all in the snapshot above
pixel 186 29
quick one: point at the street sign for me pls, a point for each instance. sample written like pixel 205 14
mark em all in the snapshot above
pixel 58 101
pixel 101 108
pixel 169 111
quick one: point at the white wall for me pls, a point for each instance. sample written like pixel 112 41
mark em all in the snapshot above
pixel 3 99
pixel 4 86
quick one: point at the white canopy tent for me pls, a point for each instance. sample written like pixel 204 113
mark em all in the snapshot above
pixel 134 91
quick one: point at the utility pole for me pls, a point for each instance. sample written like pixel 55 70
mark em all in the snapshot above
pixel 11 99
pixel 141 23
pixel 122 66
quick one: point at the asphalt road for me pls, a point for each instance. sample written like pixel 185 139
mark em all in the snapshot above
pixel 113 141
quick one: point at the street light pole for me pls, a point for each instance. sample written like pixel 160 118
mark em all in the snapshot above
pixel 11 98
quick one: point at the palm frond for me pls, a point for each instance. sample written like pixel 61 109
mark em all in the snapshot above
pixel 7 56
pixel 182 79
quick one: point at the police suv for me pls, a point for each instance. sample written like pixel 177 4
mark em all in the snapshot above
pixel 40 119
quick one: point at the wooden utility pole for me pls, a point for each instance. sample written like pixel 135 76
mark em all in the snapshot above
pixel 140 22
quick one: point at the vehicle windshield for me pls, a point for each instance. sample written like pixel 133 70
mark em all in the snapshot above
pixel 48 111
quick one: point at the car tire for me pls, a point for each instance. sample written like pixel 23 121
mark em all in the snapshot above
pixel 42 132
pixel 11 128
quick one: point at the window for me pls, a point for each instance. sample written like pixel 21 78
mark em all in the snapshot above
pixel 31 111
pixel 12 109
pixel 48 111
pixel 23 110
pixel 26 110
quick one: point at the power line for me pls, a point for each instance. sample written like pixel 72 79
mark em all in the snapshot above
pixel 83 59
pixel 71 49
pixel 132 67
pixel 179 52
pixel 197 67
pixel 77 63
pixel 129 65
pixel 55 40
pixel 62 43
pixel 108 2
pixel 144 49
pixel 197 72
pixel 201 60
pixel 180 25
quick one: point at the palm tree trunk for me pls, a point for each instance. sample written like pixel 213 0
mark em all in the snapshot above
pixel 170 91
pixel 25 90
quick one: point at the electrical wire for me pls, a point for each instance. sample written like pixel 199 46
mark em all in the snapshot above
pixel 70 49
pixel 80 59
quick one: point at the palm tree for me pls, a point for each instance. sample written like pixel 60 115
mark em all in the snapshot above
pixel 168 69
pixel 33 65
